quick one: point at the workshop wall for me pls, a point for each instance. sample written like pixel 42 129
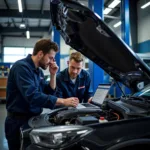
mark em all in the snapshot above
pixel 17 42
pixel 64 54
pixel 143 28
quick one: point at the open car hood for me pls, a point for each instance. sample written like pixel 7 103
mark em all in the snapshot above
pixel 84 31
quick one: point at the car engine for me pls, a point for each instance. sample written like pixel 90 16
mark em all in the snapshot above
pixel 110 110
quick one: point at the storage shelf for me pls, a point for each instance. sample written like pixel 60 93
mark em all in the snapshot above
pixel 2 87
pixel 3 77
pixel 3 84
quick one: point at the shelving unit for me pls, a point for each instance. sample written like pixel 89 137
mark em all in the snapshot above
pixel 3 84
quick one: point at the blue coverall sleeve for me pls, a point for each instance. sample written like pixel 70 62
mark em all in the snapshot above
pixel 46 87
pixel 30 89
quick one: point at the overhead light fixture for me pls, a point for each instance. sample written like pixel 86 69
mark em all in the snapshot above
pixel 107 10
pixel 28 34
pixel 145 5
pixel 114 3
pixel 117 24
pixel 52 34
pixel 20 5
pixel 22 26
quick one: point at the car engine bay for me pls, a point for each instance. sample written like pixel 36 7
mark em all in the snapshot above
pixel 110 110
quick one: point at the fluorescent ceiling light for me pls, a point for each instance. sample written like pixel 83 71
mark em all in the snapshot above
pixel 22 26
pixel 20 5
pixel 28 34
pixel 117 24
pixel 52 35
pixel 145 5
pixel 107 10
pixel 114 3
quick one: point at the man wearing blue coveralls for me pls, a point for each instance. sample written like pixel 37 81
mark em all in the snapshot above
pixel 74 81
pixel 27 91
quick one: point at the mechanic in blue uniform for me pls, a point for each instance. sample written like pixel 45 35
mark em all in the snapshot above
pixel 28 92
pixel 74 81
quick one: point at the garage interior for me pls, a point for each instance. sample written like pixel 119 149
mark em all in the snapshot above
pixel 20 29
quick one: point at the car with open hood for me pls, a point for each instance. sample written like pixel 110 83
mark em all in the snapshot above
pixel 127 118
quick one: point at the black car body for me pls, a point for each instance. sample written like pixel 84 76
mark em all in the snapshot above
pixel 128 125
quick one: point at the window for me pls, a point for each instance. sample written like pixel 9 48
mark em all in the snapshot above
pixel 12 58
pixel 28 51
pixel 13 51
pixel 12 54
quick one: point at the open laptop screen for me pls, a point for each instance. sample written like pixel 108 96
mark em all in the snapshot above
pixel 101 93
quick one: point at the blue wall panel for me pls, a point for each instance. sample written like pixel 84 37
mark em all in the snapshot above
pixel 125 27
pixel 144 47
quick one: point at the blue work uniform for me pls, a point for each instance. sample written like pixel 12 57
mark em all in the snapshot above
pixel 81 88
pixel 27 93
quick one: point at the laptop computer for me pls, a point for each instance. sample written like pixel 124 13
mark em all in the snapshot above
pixel 101 93
pixel 99 96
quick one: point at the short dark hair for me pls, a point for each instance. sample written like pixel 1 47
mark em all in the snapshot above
pixel 45 45
pixel 77 56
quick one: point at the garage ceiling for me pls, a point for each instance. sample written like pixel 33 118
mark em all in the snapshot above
pixel 35 15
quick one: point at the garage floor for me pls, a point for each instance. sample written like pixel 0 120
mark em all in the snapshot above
pixel 3 142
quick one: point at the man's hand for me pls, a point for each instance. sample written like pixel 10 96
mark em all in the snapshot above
pixel 90 99
pixel 72 101
pixel 53 68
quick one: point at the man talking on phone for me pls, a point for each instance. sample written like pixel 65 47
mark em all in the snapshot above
pixel 28 92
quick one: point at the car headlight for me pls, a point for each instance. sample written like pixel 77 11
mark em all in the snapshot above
pixel 59 136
